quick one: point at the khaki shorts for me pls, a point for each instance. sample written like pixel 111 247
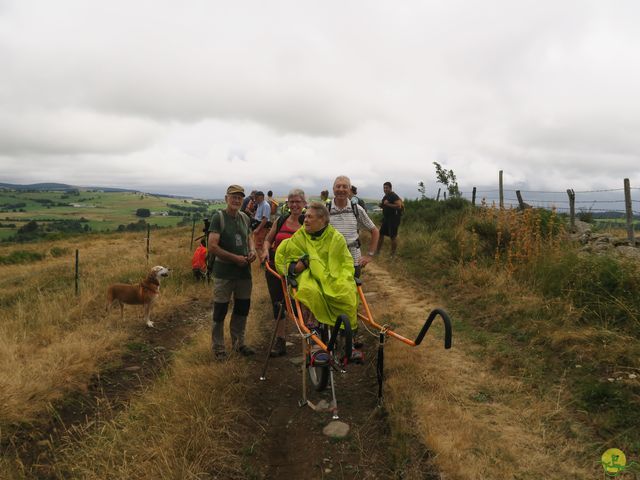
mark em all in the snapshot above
pixel 223 288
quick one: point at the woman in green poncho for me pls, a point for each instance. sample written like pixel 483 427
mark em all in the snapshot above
pixel 324 267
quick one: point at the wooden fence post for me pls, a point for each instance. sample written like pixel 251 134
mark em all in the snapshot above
pixel 473 197
pixel 193 231
pixel 438 196
pixel 77 271
pixel 501 190
pixel 520 201
pixel 148 239
pixel 572 208
pixel 629 209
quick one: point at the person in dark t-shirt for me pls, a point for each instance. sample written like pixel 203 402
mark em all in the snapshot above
pixel 391 205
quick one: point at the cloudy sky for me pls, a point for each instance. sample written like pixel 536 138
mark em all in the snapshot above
pixel 187 97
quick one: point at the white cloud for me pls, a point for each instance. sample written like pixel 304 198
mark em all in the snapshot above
pixel 72 132
pixel 210 93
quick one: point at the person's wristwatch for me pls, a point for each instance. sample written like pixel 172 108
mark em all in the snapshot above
pixel 371 254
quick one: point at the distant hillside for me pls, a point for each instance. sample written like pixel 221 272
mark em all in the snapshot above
pixel 37 186
pixel 57 187
pixel 615 215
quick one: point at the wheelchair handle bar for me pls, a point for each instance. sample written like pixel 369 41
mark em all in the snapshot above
pixel 368 318
pixel 447 327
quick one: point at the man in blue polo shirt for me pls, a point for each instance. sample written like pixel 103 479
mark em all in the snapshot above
pixel 261 220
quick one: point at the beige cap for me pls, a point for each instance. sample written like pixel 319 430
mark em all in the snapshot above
pixel 235 189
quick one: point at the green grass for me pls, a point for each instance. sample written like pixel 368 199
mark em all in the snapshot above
pixel 557 311
pixel 20 256
pixel 614 223
pixel 6 233
pixel 105 211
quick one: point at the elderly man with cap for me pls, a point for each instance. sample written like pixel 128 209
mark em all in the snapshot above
pixel 231 242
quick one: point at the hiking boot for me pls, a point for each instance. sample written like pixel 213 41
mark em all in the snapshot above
pixel 279 348
pixel 220 355
pixel 245 351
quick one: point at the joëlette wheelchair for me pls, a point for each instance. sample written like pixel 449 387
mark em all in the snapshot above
pixel 327 349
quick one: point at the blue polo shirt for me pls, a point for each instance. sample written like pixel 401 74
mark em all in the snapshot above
pixel 263 211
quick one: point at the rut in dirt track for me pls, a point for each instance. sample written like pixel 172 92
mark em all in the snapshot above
pixel 148 352
pixel 292 445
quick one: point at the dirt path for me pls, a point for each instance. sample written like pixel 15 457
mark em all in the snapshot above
pixel 289 442
pixel 467 411
pixel 292 445
pixel 147 353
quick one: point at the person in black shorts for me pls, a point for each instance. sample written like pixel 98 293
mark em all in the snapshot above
pixel 391 214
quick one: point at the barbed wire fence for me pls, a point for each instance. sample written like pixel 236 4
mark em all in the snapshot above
pixel 607 205
pixel 591 205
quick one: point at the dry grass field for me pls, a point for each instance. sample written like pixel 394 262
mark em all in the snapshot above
pixel 544 375
pixel 526 391
pixel 54 344
pixel 52 340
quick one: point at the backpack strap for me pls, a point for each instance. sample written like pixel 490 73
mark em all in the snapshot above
pixel 354 209
pixel 245 218
pixel 280 221
pixel 221 215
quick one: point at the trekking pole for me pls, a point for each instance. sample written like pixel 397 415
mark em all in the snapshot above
pixel 273 338
pixel 334 400
pixel 303 368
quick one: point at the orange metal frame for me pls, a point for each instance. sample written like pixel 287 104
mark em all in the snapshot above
pixel 290 312
pixel 368 317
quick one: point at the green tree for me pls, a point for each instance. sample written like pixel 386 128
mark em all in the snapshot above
pixel 422 189
pixel 448 179
pixel 29 227
pixel 143 212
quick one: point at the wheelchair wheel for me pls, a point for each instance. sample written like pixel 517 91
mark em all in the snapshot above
pixel 340 344
pixel 319 374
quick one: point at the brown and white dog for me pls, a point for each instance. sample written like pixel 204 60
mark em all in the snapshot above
pixel 144 293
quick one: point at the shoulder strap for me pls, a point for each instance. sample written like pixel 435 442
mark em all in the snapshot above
pixel 354 208
pixel 221 215
pixel 280 221
pixel 245 218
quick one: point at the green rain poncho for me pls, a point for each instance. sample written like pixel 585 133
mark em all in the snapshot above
pixel 327 287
